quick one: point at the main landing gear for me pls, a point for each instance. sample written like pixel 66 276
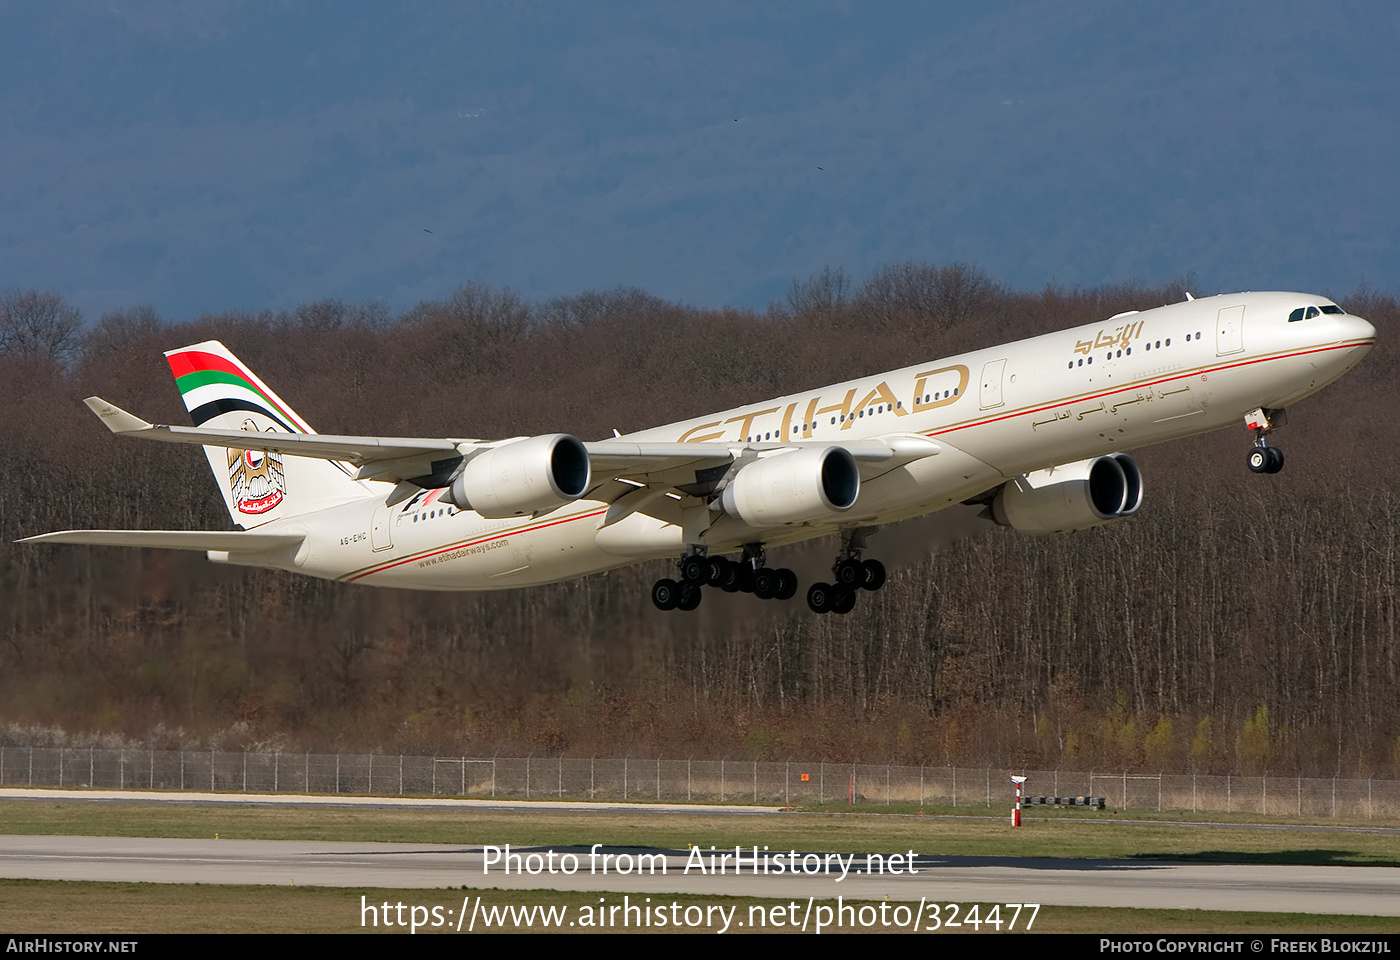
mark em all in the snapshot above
pixel 1262 457
pixel 851 574
pixel 749 575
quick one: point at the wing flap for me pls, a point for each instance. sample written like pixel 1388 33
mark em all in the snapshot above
pixel 607 455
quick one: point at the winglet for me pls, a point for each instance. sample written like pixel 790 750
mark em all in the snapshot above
pixel 116 419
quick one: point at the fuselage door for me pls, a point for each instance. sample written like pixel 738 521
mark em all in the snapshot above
pixel 1229 330
pixel 381 524
pixel 991 383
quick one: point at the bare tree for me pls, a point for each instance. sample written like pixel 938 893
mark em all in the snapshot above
pixel 38 324
pixel 117 330
pixel 944 296
pixel 825 290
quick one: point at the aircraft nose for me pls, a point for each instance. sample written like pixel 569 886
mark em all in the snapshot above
pixel 1360 329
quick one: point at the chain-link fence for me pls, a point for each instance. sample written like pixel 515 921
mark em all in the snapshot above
pixel 695 781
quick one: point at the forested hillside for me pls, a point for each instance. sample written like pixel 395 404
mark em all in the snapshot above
pixel 1239 622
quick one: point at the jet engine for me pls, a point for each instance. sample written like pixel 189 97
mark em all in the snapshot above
pixel 523 476
pixel 1073 496
pixel 808 484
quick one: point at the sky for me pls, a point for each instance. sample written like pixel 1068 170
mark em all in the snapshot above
pixel 224 155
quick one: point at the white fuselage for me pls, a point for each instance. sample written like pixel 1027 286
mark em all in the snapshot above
pixel 1133 380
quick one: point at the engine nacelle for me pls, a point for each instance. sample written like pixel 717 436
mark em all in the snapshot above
pixel 1074 496
pixel 793 487
pixel 523 476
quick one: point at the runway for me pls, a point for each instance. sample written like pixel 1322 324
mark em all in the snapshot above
pixel 192 797
pixel 1112 883
pixel 1373 891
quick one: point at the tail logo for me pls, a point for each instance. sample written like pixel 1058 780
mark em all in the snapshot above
pixel 256 477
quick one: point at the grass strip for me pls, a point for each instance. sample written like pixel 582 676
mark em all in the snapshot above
pixel 1047 837
pixel 61 907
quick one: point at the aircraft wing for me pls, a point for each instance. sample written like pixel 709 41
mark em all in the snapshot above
pixel 355 450
pixel 400 459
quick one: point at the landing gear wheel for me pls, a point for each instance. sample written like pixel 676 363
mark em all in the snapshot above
pixel 821 597
pixel 875 576
pixel 695 569
pixel 717 571
pixel 1266 460
pixel 766 583
pixel 849 573
pixel 690 597
pixel 666 594
pixel 733 579
pixel 787 584
pixel 845 601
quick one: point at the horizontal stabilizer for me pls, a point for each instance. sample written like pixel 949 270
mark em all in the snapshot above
pixel 230 541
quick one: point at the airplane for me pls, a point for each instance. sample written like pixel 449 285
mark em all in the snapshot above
pixel 1032 431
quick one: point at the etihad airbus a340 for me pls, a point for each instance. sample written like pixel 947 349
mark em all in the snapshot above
pixel 1034 430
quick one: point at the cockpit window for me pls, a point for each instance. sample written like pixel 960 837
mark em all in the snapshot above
pixel 1307 313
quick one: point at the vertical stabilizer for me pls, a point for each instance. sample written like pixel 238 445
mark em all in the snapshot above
pixel 258 487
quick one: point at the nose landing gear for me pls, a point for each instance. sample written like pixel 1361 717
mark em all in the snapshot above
pixel 1262 457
